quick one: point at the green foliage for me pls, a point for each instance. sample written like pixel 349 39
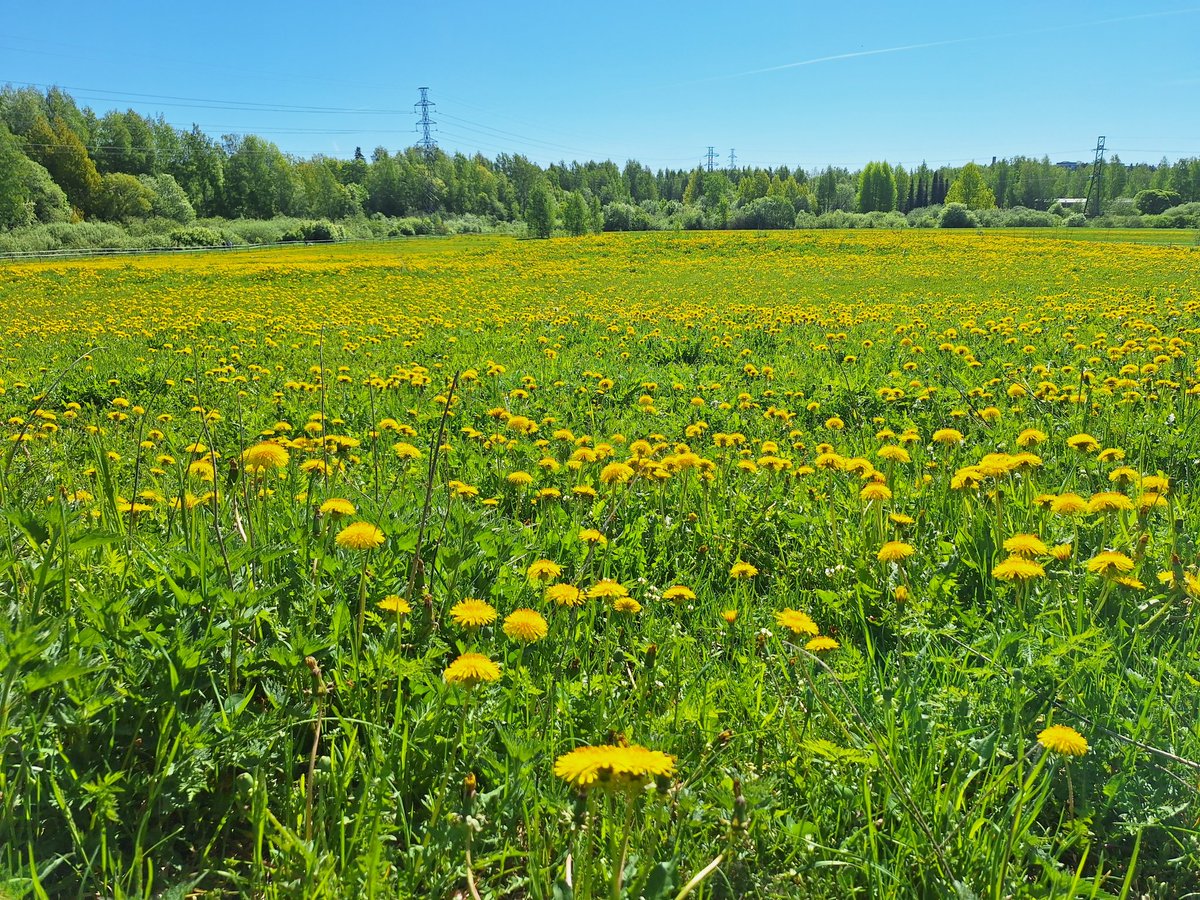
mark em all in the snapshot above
pixel 877 188
pixel 957 215
pixel 971 189
pixel 64 156
pixel 575 214
pixel 169 200
pixel 1152 202
pixel 539 215
pixel 122 198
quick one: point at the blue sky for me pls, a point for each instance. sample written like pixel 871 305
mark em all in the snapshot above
pixel 797 83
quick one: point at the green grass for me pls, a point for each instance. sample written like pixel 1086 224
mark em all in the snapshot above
pixel 199 692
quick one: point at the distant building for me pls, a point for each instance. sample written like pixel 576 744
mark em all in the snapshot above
pixel 1067 202
pixel 1070 166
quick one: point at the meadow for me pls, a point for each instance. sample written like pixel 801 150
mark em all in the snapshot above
pixel 805 564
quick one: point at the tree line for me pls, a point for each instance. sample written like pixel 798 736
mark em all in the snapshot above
pixel 60 162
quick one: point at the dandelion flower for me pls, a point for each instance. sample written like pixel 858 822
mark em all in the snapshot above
pixel 797 622
pixel 948 436
pixel 544 570
pixel 395 604
pixel 1068 505
pixel 729 615
pixel 1110 564
pixel 473 613
pixel 336 506
pixel 265 456
pixel 405 450
pixel 821 643
pixel 565 595
pixel 607 589
pixel 626 604
pixel 1084 443
pixel 613 766
pixel 525 626
pixel 616 473
pixel 1109 501
pixel 360 536
pixel 742 570
pixel 678 594
pixel 1018 568
pixel 1026 545
pixel 875 491
pixel 592 536
pixel 895 551
pixel 471 669
pixel 1064 740
pixel 519 479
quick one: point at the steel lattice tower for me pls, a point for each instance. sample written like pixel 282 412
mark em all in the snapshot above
pixel 425 124
pixel 732 160
pixel 711 156
pixel 1096 183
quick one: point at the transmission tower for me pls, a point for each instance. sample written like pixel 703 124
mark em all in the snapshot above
pixel 425 124
pixel 732 160
pixel 1096 183
pixel 711 156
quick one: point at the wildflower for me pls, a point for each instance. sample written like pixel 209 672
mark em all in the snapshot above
pixel 821 643
pixel 360 536
pixel 875 491
pixel 565 595
pixel 613 766
pixel 948 436
pixel 472 613
pixel 1068 505
pixel 626 604
pixel 471 669
pixel 525 626
pixel 607 589
pixel 1026 545
pixel 1110 563
pixel 1061 552
pixel 1018 568
pixel 1064 740
pixel 893 453
pixel 729 615
pixel 678 594
pixel 519 479
pixel 265 456
pixel 336 507
pixel 592 536
pixel 1029 437
pixel 616 473
pixel 796 622
pixel 395 604
pixel 895 551
pixel 1084 443
pixel 1109 501
pixel 543 570
pixel 404 450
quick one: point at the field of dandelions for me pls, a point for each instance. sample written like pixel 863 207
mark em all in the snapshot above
pixel 726 565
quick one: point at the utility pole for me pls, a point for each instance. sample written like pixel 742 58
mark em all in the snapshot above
pixel 732 160
pixel 425 124
pixel 711 156
pixel 1096 183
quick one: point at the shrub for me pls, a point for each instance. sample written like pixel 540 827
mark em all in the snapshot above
pixel 196 236
pixel 956 215
pixel 765 212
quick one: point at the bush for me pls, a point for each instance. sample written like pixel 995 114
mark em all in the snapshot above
pixel 196 236
pixel 1152 202
pixel 924 217
pixel 1076 220
pixel 1186 215
pixel 765 212
pixel 805 220
pixel 956 215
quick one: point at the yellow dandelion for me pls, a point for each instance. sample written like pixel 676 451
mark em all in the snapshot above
pixel 607 589
pixel 626 604
pixel 360 536
pixel 471 669
pixel 679 594
pixel 336 506
pixel 525 626
pixel 616 473
pixel 1018 568
pixel 1026 545
pixel 742 570
pixel 797 622
pixel 473 613
pixel 1110 564
pixel 895 551
pixel 565 595
pixel 544 571
pixel 1064 740
pixel 613 767
pixel 395 604
pixel 592 536
pixel 265 456
pixel 821 643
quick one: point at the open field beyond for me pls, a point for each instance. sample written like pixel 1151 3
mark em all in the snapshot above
pixel 716 565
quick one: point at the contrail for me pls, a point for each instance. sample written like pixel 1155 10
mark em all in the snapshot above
pixel 967 40
pixel 836 56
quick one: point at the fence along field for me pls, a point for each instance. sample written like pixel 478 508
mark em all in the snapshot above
pixel 708 565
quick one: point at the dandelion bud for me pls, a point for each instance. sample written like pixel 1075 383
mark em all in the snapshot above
pixel 469 785
pixel 651 656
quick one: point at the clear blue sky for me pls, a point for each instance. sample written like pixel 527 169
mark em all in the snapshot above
pixel 798 83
